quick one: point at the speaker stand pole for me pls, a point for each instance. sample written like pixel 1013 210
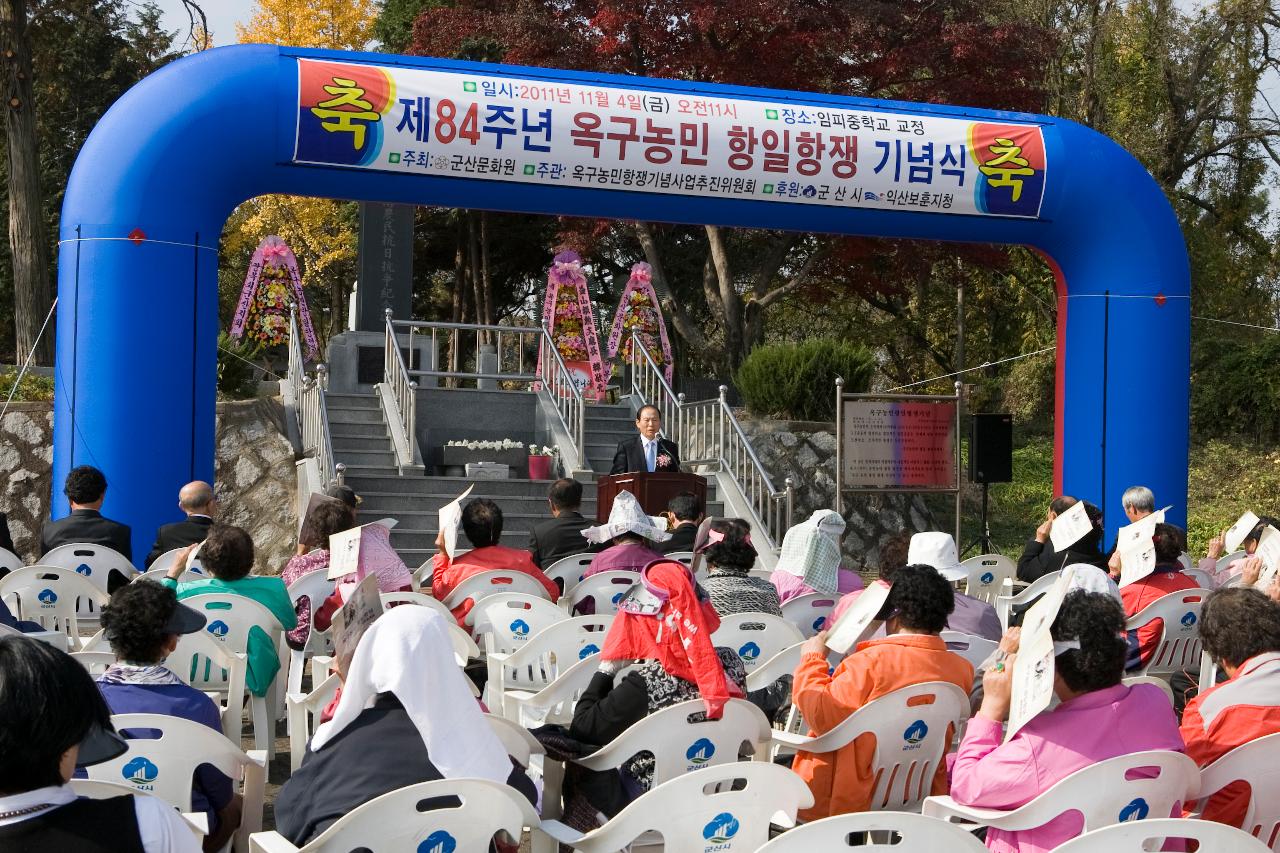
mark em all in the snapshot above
pixel 984 537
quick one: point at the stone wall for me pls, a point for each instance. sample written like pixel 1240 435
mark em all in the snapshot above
pixel 254 476
pixel 806 452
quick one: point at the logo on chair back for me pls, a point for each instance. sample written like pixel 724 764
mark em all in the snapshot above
pixel 699 753
pixel 520 628
pixel 819 622
pixel 218 628
pixel 48 597
pixel 618 597
pixel 438 842
pixel 915 733
pixel 141 773
pixel 83 569
pixel 1189 620
pixel 588 650
pixel 749 652
pixel 987 577
pixel 722 827
pixel 1136 810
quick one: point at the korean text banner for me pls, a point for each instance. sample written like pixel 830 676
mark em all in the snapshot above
pixel 509 129
pixel 899 445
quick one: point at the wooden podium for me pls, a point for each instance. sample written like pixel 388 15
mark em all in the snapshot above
pixel 652 490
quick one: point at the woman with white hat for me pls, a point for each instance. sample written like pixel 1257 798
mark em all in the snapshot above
pixel 810 559
pixel 971 616
pixel 633 535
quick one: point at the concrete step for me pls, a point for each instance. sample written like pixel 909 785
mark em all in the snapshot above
pixel 387 502
pixel 351 401
pixel 343 444
pixel 354 416
pixel 424 540
pixel 363 458
pixel 384 479
pixel 356 430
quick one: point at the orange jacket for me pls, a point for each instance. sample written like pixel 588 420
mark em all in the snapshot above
pixel 446 574
pixel 1231 714
pixel 842 781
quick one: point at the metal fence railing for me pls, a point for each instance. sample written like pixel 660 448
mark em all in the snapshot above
pixel 305 392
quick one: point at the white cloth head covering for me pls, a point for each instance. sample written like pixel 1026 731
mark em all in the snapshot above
pixel 811 551
pixel 627 516
pixel 1090 578
pixel 938 550
pixel 407 652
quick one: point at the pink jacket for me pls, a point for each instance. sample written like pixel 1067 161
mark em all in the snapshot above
pixel 1081 731
pixel 789 586
pixel 1210 565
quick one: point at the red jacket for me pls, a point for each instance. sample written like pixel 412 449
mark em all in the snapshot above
pixel 1231 714
pixel 1137 595
pixel 446 574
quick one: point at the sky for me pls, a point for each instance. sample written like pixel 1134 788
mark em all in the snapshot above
pixel 223 16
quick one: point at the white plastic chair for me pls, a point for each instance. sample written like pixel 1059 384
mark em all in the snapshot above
pixel 164 765
pixel 230 619
pixel 507 620
pixel 555 702
pixel 49 595
pixel 1103 793
pixel 1179 646
pixel 910 739
pixel 1228 559
pixel 1149 834
pixel 727 808
pixel 973 649
pixel 1203 579
pixel 1161 683
pixel 95 663
pixel 989 575
pixel 756 637
pixel 158 575
pixel 303 710
pixel 568 570
pixel 809 612
pixel 1184 560
pixel 685 557
pixel 605 589
pixel 419 598
pixel 1005 603
pixel 536 663
pixel 918 834
pixel 481 585
pixel 166 560
pixel 1258 764
pixel 95 789
pixel 315 587
pixel 518 741
pixel 95 562
pixel 9 561
pixel 394 821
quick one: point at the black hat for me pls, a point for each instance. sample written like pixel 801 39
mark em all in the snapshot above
pixel 100 744
pixel 184 620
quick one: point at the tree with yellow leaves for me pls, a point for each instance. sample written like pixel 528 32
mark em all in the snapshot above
pixel 321 232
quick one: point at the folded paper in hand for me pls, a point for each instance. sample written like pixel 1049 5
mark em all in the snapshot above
pixel 1237 532
pixel 1269 552
pixel 450 517
pixel 1070 527
pixel 353 549
pixel 1033 669
pixel 859 621
pixel 354 618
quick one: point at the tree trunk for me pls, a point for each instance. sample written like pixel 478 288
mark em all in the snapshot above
pixel 31 290
pixel 485 280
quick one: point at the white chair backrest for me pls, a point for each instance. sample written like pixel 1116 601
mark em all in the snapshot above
pixel 1150 834
pixel 95 663
pixel 681 741
pixel 987 576
pixel 1179 646
pixel 973 649
pixel 1203 579
pixel 94 562
pixel 726 808
pixel 555 702
pixel 1228 559
pixel 420 598
pixel 685 557
pixel 464 648
pixel 913 728
pixel 231 617
pixel 518 741
pixel 1005 603
pixel 212 667
pixel 1257 763
pixel 315 586
pixel 1124 788
pixel 9 561
pixel 916 834
pixel 568 570
pixel 303 710
pixel 537 663
pixel 506 621
pixel 756 637
pixel 605 589
pixel 166 560
pixel 1163 684
pixel 782 663
pixel 809 612
pixel 484 584
pixel 395 821
pixel 158 575
pixel 48 595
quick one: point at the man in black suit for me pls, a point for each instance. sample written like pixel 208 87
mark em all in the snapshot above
pixel 684 513
pixel 647 451
pixel 197 501
pixel 85 488
pixel 561 535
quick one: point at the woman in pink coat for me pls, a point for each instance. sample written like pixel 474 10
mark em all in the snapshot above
pixel 1098 718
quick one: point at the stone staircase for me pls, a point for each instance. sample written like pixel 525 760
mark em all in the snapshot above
pixel 361 442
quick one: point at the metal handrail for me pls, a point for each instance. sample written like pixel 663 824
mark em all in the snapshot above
pixel 306 395
pixel 709 434
pixel 400 402
pixel 292 389
pixel 566 397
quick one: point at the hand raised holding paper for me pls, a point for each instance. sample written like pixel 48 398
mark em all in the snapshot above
pixel 997 690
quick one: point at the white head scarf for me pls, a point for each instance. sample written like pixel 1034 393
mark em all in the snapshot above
pixel 626 516
pixel 407 652
pixel 1090 578
pixel 811 550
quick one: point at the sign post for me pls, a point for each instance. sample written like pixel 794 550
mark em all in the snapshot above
pixel 887 443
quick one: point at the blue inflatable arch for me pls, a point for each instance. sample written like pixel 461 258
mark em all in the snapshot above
pixel 158 177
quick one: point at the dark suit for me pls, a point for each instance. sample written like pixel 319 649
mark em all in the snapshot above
pixel 629 457
pixel 557 538
pixel 88 526
pixel 180 534
pixel 681 538
pixel 6 541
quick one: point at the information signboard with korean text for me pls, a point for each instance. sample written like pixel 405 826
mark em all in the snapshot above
pixel 898 445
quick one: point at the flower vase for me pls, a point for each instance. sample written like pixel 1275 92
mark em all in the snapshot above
pixel 540 467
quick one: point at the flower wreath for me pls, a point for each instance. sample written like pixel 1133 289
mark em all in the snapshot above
pixel 639 315
pixel 567 315
pixel 269 286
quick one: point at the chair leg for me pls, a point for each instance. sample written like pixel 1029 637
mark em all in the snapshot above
pixel 263 728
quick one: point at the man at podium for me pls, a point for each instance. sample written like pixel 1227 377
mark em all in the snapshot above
pixel 647 451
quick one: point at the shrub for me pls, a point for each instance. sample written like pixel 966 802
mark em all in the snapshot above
pixel 1235 388
pixel 237 378
pixel 797 381
pixel 31 389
